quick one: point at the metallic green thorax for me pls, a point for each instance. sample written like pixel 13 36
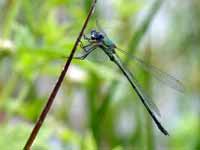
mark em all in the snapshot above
pixel 107 42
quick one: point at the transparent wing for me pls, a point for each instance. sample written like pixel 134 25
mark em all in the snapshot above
pixel 147 100
pixel 161 76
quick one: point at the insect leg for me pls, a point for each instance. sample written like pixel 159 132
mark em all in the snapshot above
pixel 85 54
pixel 86 37
pixel 86 47
pixel 88 51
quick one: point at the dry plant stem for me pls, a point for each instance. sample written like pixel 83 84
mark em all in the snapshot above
pixel 58 84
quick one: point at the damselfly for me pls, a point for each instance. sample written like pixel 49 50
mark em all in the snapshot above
pixel 99 39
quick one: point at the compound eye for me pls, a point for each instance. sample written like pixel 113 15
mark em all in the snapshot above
pixel 101 36
pixel 93 34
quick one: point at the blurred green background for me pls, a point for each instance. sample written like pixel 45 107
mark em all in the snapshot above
pixel 96 107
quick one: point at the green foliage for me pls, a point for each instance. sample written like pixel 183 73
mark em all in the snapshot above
pixel 96 108
pixel 15 134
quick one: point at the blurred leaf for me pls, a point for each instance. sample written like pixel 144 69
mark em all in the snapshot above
pixel 127 7
pixel 14 135
pixel 89 142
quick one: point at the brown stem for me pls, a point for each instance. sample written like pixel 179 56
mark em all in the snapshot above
pixel 58 84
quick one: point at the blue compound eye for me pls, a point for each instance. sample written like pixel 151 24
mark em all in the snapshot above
pixel 100 36
pixel 93 32
pixel 96 35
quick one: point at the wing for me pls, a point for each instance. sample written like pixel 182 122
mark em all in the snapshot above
pixel 161 76
pixel 147 100
pixel 149 105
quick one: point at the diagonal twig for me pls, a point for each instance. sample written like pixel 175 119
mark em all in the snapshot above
pixel 58 84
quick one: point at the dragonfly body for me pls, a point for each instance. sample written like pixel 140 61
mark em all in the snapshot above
pixel 100 40
pixel 109 48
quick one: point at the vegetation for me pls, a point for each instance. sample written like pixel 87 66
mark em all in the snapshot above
pixel 95 107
